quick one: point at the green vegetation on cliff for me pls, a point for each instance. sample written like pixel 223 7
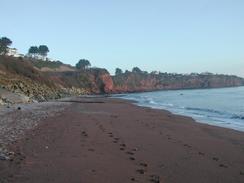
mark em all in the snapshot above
pixel 4 44
pixel 49 64
pixel 20 75
pixel 35 77
pixel 138 80
pixel 26 76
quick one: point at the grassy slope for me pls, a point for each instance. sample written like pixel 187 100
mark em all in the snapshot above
pixel 19 75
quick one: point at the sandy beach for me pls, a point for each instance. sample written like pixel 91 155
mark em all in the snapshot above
pixel 109 140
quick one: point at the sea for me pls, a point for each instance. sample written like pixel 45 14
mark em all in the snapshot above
pixel 222 107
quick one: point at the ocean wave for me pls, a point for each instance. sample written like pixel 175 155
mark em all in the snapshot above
pixel 235 116
pixel 220 113
pixel 226 110
pixel 205 110
pixel 152 102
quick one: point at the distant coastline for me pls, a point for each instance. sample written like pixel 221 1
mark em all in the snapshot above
pixel 24 80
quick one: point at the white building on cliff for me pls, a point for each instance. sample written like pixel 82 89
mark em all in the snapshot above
pixel 13 52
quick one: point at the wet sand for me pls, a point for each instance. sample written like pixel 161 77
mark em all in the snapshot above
pixel 113 141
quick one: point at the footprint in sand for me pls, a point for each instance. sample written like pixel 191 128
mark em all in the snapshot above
pixel 122 145
pixel 130 153
pixel 122 149
pixel 223 166
pixel 140 171
pixel 187 145
pixel 144 164
pixel 215 159
pixel 116 140
pixel 84 133
pixel 135 149
pixel 132 158
pixel 133 179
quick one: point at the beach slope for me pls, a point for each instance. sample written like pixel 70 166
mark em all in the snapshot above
pixel 111 140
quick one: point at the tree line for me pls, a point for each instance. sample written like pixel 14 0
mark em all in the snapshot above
pixel 4 45
pixel 119 71
pixel 35 51
pixel 42 50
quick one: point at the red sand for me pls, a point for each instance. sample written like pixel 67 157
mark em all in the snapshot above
pixel 118 142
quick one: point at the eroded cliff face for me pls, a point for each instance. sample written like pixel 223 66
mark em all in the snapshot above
pixel 24 81
pixel 137 82
pixel 101 81
pixel 22 78
pixel 107 83
pixel 90 81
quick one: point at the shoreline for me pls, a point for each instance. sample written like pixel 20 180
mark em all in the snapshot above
pixel 183 115
pixel 226 115
pixel 148 145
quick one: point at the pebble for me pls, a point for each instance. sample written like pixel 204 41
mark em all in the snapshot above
pixel 155 178
pixel 3 157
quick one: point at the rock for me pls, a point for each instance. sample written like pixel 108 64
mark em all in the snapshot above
pixel 155 178
pixel 1 102
pixel 3 157
pixel 108 83
pixel 8 97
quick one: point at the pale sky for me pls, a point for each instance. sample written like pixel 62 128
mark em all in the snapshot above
pixel 169 36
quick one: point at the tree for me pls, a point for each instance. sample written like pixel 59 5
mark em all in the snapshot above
pixel 33 51
pixel 43 50
pixel 136 69
pixel 118 71
pixel 127 72
pixel 4 44
pixel 83 64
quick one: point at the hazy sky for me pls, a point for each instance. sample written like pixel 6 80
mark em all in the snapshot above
pixel 171 36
